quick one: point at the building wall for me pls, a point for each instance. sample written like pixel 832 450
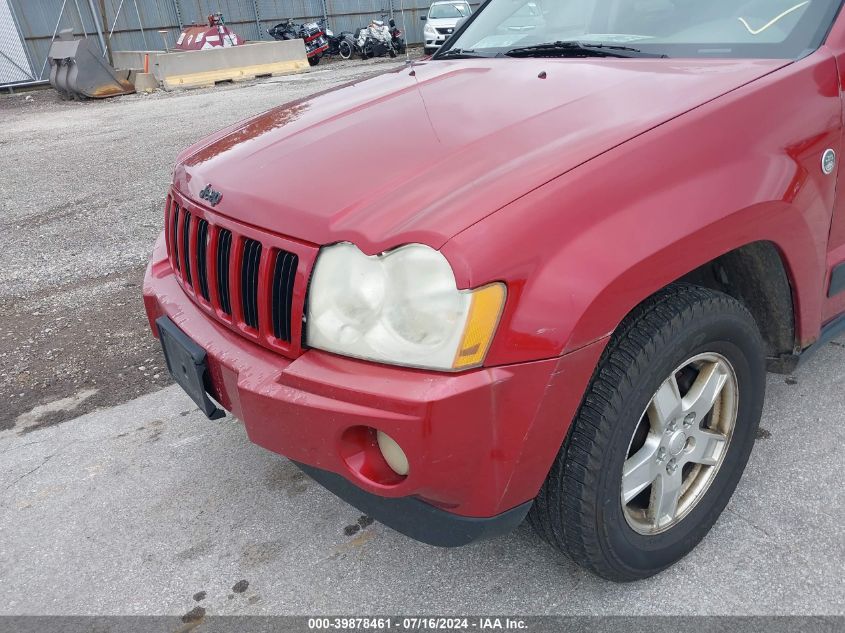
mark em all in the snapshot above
pixel 137 25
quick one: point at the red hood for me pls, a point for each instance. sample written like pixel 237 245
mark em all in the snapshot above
pixel 401 158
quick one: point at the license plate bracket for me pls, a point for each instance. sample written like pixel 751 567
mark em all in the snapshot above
pixel 187 363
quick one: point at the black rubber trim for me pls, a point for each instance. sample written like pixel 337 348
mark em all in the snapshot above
pixel 789 363
pixel 837 280
pixel 417 519
pixel 832 330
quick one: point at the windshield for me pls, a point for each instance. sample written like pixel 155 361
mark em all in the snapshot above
pixel 454 11
pixel 675 28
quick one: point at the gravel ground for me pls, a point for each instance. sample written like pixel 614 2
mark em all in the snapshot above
pixel 81 203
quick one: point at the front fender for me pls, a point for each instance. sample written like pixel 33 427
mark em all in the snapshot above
pixel 581 252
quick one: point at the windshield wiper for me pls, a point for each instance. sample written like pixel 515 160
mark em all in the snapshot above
pixel 459 53
pixel 579 49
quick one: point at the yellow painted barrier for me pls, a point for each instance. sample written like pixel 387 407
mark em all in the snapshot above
pixel 243 73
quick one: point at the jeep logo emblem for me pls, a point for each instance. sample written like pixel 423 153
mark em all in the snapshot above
pixel 213 197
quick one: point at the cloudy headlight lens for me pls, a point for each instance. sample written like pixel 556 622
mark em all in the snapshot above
pixel 402 307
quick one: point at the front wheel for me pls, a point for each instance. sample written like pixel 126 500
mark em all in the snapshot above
pixel 661 439
pixel 345 50
pixel 314 60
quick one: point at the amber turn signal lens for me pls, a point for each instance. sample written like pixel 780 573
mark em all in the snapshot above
pixel 484 314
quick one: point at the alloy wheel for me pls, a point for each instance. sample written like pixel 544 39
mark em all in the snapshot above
pixel 679 443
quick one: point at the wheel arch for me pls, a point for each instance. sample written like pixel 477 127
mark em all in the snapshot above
pixel 760 273
pixel 755 274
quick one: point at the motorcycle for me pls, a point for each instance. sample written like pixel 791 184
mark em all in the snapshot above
pixel 342 45
pixel 375 40
pixel 396 36
pixel 311 33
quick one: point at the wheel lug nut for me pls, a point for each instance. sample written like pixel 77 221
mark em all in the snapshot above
pixel 673 426
pixel 661 454
pixel 672 466
pixel 689 420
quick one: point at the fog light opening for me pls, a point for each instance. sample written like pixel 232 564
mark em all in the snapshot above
pixel 393 454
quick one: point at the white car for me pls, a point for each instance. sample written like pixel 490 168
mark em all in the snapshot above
pixel 442 20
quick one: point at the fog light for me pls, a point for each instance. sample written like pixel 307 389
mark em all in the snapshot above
pixel 392 453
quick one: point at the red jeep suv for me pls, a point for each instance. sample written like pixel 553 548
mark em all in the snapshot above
pixel 549 283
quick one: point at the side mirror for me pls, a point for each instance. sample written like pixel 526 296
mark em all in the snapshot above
pixel 423 18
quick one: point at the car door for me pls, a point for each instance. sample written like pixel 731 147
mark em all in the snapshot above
pixel 834 302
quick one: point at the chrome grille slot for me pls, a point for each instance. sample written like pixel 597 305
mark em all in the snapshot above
pixel 186 242
pixel 224 251
pixel 284 273
pixel 202 258
pixel 249 281
pixel 174 235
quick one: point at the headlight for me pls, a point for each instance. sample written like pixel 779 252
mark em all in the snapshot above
pixel 402 307
pixel 429 31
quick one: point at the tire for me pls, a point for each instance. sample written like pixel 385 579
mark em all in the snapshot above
pixel 581 508
pixel 313 61
pixel 345 50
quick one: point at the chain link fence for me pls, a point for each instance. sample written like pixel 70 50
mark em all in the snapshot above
pixel 15 66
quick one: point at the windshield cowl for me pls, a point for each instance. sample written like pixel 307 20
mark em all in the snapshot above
pixel 579 49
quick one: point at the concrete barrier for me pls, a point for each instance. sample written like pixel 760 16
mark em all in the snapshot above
pixel 132 60
pixel 143 82
pixel 196 69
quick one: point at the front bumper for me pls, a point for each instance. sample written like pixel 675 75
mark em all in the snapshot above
pixel 479 443
pixel 435 42
pixel 418 519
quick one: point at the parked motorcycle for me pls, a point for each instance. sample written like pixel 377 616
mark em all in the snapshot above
pixel 311 33
pixel 342 45
pixel 396 36
pixel 375 40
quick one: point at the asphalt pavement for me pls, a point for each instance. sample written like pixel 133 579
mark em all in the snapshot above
pixel 149 508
